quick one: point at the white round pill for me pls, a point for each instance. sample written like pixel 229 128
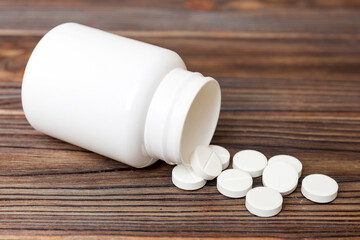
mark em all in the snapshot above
pixel 288 159
pixel 184 178
pixel 319 188
pixel 205 163
pixel 281 177
pixel 234 183
pixel 223 155
pixel 250 161
pixel 263 202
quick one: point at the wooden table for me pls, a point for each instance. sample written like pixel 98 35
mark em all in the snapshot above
pixel 290 78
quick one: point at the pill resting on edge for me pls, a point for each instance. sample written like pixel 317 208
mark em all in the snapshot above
pixel 205 163
pixel 223 155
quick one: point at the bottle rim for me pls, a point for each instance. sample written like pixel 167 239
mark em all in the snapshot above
pixel 182 115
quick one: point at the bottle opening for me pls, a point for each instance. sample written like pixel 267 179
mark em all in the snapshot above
pixel 201 120
pixel 183 114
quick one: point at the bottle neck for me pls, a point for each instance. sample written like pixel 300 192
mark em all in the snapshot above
pixel 183 114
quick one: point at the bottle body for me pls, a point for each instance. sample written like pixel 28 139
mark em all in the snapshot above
pixel 94 89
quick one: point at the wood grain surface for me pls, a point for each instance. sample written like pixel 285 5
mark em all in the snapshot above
pixel 290 78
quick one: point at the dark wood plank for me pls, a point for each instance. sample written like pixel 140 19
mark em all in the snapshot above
pixel 290 78
pixel 328 17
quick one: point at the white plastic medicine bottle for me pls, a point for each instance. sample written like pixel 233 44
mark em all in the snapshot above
pixel 124 99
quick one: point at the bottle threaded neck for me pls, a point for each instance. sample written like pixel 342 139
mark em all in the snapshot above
pixel 183 114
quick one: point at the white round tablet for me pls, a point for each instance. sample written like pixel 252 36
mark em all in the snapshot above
pixel 250 161
pixel 184 178
pixel 223 154
pixel 281 177
pixel 288 159
pixel 263 202
pixel 319 188
pixel 205 163
pixel 234 183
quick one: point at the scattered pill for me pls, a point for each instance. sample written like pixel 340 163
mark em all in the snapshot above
pixel 205 163
pixel 263 202
pixel 319 188
pixel 288 159
pixel 281 177
pixel 234 183
pixel 223 155
pixel 184 178
pixel 250 161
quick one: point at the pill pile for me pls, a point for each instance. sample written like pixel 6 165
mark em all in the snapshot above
pixel 280 176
